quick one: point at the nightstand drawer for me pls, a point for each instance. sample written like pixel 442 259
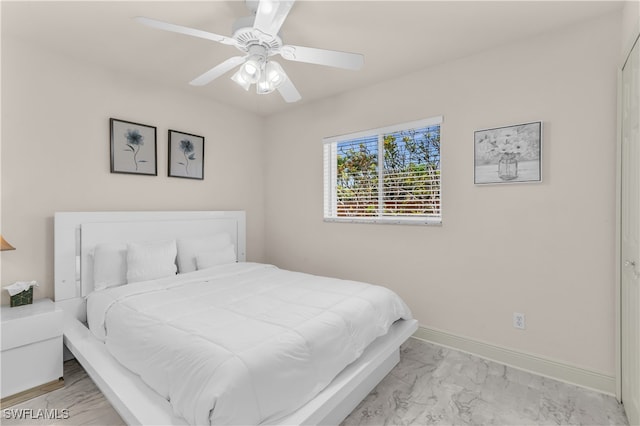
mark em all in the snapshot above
pixel 31 346
pixel 32 365
pixel 27 324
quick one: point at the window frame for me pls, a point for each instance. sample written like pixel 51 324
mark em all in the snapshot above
pixel 329 154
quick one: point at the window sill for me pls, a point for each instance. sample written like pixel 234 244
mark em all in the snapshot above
pixel 387 221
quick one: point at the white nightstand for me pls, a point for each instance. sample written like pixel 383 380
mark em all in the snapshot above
pixel 31 356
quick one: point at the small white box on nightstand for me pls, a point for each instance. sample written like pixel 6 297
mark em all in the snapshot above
pixel 31 346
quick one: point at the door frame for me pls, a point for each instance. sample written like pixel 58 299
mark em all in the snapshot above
pixel 618 248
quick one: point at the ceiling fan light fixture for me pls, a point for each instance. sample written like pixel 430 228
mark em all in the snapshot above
pixel 264 87
pixel 275 73
pixel 251 70
pixel 271 78
pixel 239 78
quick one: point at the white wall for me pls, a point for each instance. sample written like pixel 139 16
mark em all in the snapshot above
pixel 55 154
pixel 544 249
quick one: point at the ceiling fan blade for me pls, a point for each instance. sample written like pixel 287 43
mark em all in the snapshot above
pixel 271 15
pixel 288 91
pixel 185 30
pixel 332 58
pixel 218 70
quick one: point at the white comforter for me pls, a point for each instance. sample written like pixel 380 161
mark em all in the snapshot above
pixel 244 343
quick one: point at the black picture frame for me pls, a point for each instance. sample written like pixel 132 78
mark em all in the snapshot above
pixel 509 154
pixel 186 155
pixel 133 148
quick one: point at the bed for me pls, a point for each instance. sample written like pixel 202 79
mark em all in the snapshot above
pixel 225 341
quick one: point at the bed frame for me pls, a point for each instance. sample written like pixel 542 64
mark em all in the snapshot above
pixel 76 233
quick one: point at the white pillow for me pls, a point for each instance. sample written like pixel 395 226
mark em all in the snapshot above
pixel 109 265
pixel 148 261
pixel 219 257
pixel 188 249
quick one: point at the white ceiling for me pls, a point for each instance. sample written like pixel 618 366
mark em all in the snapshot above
pixel 396 38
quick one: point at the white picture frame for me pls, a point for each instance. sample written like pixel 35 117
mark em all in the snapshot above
pixel 508 154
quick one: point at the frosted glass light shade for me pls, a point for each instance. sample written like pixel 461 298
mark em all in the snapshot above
pixel 275 73
pixel 238 77
pixel 251 69
pixel 272 76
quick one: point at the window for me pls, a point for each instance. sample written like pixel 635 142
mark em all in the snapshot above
pixel 387 175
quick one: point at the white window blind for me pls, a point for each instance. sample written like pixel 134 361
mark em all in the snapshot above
pixel 386 175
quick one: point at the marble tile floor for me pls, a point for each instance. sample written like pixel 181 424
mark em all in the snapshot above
pixel 433 385
pixel 430 385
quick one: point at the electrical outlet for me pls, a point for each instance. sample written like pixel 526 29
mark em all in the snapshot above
pixel 518 320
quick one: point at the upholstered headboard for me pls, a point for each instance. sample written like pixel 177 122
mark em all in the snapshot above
pixel 77 234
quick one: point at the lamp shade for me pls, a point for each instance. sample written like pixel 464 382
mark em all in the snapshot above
pixel 5 245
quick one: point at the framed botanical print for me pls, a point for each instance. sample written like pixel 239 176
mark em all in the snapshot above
pixel 133 148
pixel 186 155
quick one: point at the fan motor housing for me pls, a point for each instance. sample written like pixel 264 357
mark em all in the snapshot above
pixel 249 36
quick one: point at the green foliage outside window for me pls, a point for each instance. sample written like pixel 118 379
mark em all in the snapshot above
pixel 410 175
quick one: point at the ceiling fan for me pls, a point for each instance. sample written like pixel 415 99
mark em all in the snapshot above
pixel 257 37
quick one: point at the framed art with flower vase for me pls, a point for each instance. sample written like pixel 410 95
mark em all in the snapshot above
pixel 133 148
pixel 186 155
pixel 508 154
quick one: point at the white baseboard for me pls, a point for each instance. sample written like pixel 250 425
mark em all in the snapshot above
pixel 524 361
